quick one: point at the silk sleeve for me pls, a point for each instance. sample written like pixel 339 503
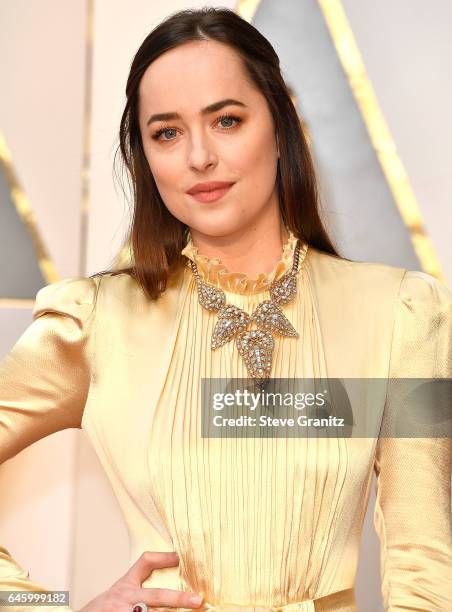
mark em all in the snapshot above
pixel 413 475
pixel 44 383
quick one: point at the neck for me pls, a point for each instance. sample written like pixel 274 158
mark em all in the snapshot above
pixel 250 251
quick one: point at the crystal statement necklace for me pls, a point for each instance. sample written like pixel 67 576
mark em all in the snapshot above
pixel 255 345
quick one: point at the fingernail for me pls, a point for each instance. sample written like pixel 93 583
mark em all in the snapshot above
pixel 195 599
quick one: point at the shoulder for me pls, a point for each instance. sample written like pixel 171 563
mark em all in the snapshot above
pixel 424 308
pixel 410 284
pixel 73 296
pixel 118 291
pixel 422 339
pixel 113 294
pixel 424 290
pixel 414 292
pixel 356 280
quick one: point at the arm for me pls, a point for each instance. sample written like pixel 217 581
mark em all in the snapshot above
pixel 44 383
pixel 413 505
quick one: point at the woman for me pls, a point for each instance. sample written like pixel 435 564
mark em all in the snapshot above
pixel 247 523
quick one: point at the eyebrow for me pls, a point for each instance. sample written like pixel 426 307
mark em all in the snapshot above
pixel 212 108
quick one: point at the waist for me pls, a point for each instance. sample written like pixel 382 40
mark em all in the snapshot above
pixel 340 601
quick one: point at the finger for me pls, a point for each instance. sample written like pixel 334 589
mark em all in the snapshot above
pixel 166 598
pixel 148 561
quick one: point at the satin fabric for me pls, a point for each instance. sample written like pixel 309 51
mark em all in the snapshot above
pixel 258 523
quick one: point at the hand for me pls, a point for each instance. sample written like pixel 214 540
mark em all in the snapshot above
pixel 128 591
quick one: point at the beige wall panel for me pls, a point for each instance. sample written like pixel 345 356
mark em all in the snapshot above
pixel 41 114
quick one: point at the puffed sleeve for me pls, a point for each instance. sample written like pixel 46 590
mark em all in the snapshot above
pixel 413 474
pixel 44 383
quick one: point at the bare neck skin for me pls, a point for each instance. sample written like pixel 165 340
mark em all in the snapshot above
pixel 250 251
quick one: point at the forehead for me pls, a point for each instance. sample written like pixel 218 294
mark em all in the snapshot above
pixel 194 74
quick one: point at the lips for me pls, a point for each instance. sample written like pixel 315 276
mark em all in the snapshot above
pixel 211 186
pixel 211 196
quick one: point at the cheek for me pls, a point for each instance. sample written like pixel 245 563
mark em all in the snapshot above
pixel 161 171
pixel 256 151
pixel 166 174
pixel 257 165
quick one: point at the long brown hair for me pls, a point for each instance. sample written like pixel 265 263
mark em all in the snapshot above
pixel 156 237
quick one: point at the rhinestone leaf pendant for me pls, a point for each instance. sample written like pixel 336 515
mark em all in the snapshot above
pixel 210 297
pixel 231 320
pixel 284 289
pixel 256 348
pixel 268 316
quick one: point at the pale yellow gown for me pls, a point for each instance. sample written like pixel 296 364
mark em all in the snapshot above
pixel 259 524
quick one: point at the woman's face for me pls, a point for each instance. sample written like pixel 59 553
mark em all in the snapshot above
pixel 198 147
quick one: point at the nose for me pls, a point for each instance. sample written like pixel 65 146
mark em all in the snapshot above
pixel 201 154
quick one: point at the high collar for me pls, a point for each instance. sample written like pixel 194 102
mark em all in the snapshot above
pixel 213 270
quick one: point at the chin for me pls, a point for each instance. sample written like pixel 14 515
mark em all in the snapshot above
pixel 217 225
